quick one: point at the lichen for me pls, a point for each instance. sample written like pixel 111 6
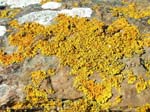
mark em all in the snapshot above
pixel 9 13
pixel 131 10
pixel 86 46
pixel 141 85
pixel 144 108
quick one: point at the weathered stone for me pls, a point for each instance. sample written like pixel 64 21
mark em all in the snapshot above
pixel 132 98
pixel 62 84
pixel 4 91
pixel 40 62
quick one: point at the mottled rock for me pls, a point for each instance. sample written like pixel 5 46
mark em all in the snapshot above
pixel 62 84
pixel 40 62
pixel 135 64
pixel 2 30
pixel 4 91
pixel 132 98
pixel 51 5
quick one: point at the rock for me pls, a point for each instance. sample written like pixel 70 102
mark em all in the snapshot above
pixel 81 12
pixel 2 30
pixel 131 98
pixel 62 84
pixel 51 5
pixel 41 17
pixel 4 91
pixel 40 62
pixel 21 3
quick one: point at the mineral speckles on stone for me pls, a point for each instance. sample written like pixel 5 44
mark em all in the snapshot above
pixel 2 30
pixel 81 12
pixel 51 5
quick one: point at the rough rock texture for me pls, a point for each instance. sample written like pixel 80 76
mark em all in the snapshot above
pixel 62 84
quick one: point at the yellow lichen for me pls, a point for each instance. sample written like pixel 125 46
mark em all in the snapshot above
pixel 86 46
pixel 9 13
pixel 131 11
pixel 148 21
pixel 38 77
pixel 131 78
pixel 144 108
pixel 141 85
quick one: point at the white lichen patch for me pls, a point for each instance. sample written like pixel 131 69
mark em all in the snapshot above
pixel 2 2
pixel 2 30
pixel 51 5
pixel 41 17
pixel 81 12
pixel 20 3
pixel 45 17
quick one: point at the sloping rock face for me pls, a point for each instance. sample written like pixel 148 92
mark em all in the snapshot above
pixel 78 56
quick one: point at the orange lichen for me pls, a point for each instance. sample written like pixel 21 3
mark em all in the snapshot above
pixel 86 46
